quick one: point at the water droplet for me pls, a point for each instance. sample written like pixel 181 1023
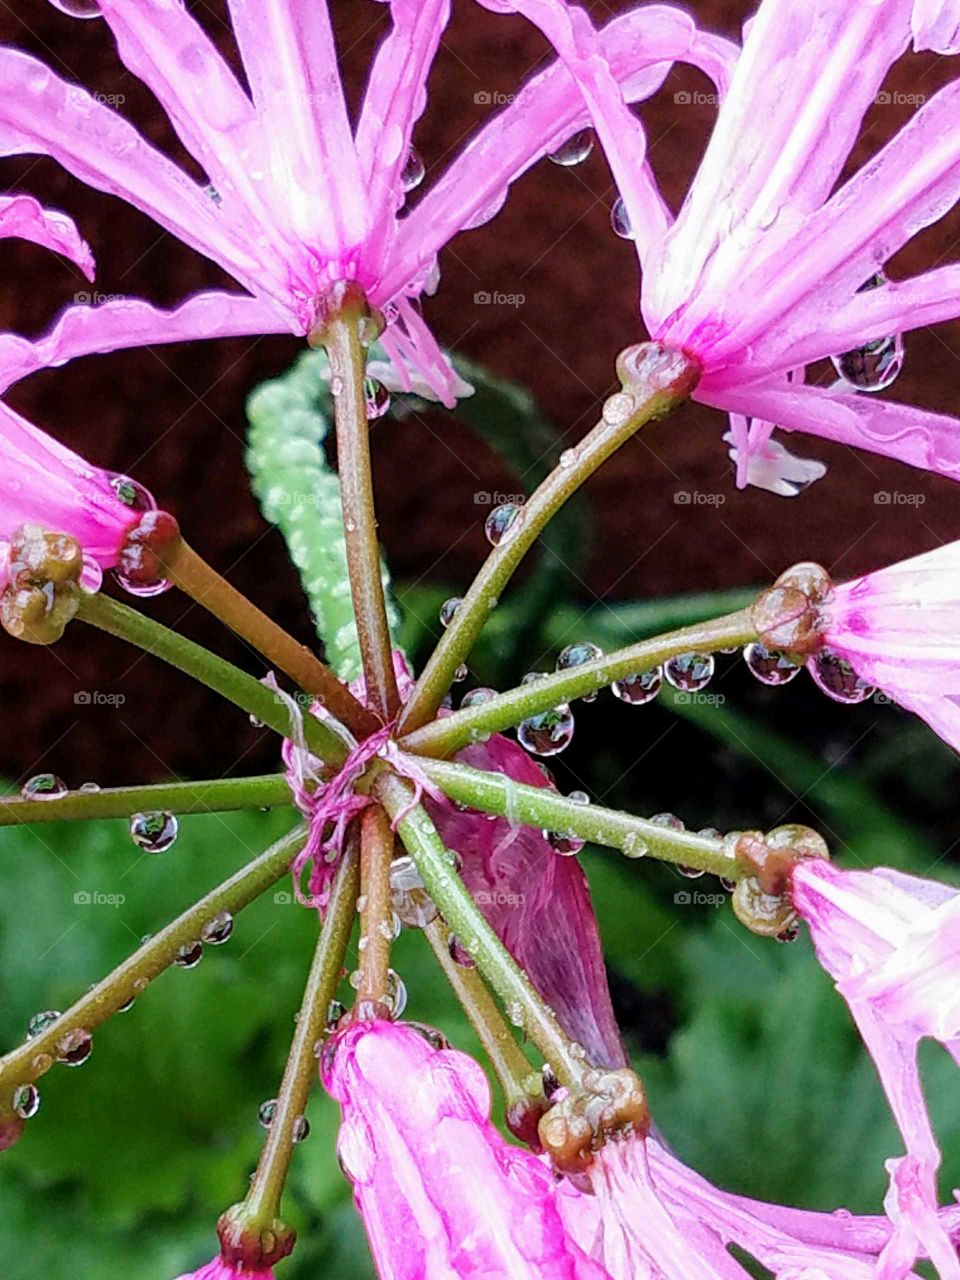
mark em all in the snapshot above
pixel 216 931
pixel 43 786
pixel 668 820
pixel 503 522
pixel 390 929
pixel 125 1008
pixel 877 364
pixel 257 724
pixel 461 673
pixel 790 934
pixel 376 397
pixel 78 8
pixel 26 1101
pixel 213 195
pixel 770 666
pixel 408 895
pixel 574 151
pixel 639 689
pixel 576 655
pixel 533 676
pixel 835 676
pixel 690 672
pixel 689 873
pixel 266 1112
pixel 620 219
pixel 514 1012
pixel 189 955
pixel 413 172
pixel 356 1151
pixel 89 788
pixel 709 833
pixel 618 408
pixel 40 1021
pixel 728 885
pixel 548 733
pixel 75 1047
pixel 396 994
pixel 449 609
pixel 459 953
pixel 154 832
pixel 132 493
pixel 301 1129
pixel 564 843
pixel 335 1011
pixel 476 697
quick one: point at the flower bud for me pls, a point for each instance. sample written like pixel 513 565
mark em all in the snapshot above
pixel 249 1245
pixel 42 593
pixel 787 617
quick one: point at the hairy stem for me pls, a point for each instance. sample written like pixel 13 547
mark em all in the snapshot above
pixel 543 808
pixel 222 677
pixel 376 914
pixel 658 383
pixel 30 1060
pixel 216 796
pixel 473 724
pixel 263 1200
pixel 191 573
pixel 506 1057
pixel 347 366
pixel 525 1007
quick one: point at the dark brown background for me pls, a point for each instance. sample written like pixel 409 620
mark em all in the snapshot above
pixel 174 416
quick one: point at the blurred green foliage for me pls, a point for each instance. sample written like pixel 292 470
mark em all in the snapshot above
pixel 754 1071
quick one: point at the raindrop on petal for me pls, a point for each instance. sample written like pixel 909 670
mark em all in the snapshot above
pixel 413 172
pixel 574 151
pixel 620 220
pixel 78 8
pixel 877 364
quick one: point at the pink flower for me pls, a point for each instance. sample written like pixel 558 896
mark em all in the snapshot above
pixel 898 629
pixel 538 902
pixel 297 200
pixel 220 1270
pixel 22 216
pixel 892 944
pixel 440 1192
pixel 770 265
pixel 648 1216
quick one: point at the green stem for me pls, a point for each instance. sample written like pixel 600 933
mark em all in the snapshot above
pixel 545 809
pixel 216 796
pixel 667 378
pixel 222 677
pixel 506 1057
pixel 473 724
pixel 524 1005
pixel 30 1060
pixel 347 368
pixel 263 1200
pixel 191 573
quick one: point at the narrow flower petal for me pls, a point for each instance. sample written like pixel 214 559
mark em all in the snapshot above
pixel 936 25
pixel 220 1270
pixel 539 903
pixel 25 217
pixel 130 322
pixel 290 58
pixel 440 1192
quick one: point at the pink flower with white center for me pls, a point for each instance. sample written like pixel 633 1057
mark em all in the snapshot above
pixel 297 200
pixel 898 631
pixel 538 901
pixel 440 1192
pixel 891 942
pixel 770 265
pixel 220 1270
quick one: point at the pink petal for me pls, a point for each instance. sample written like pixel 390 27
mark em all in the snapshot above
pixel 40 114
pixel 440 1192
pixel 220 1270
pixel 916 436
pixel 538 902
pixel 24 217
pixel 131 322
pixel 395 97
pixel 640 45
pixel 936 25
pixel 290 59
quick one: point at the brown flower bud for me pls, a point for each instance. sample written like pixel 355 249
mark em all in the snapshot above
pixel 649 367
pixel 145 549
pixel 248 1244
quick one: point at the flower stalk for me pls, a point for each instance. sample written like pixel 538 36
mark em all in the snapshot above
pixel 37 1055
pixel 543 808
pixel 376 912
pixel 341 337
pixel 524 1006
pixel 190 572
pixel 655 381
pixel 222 677
pixel 473 724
